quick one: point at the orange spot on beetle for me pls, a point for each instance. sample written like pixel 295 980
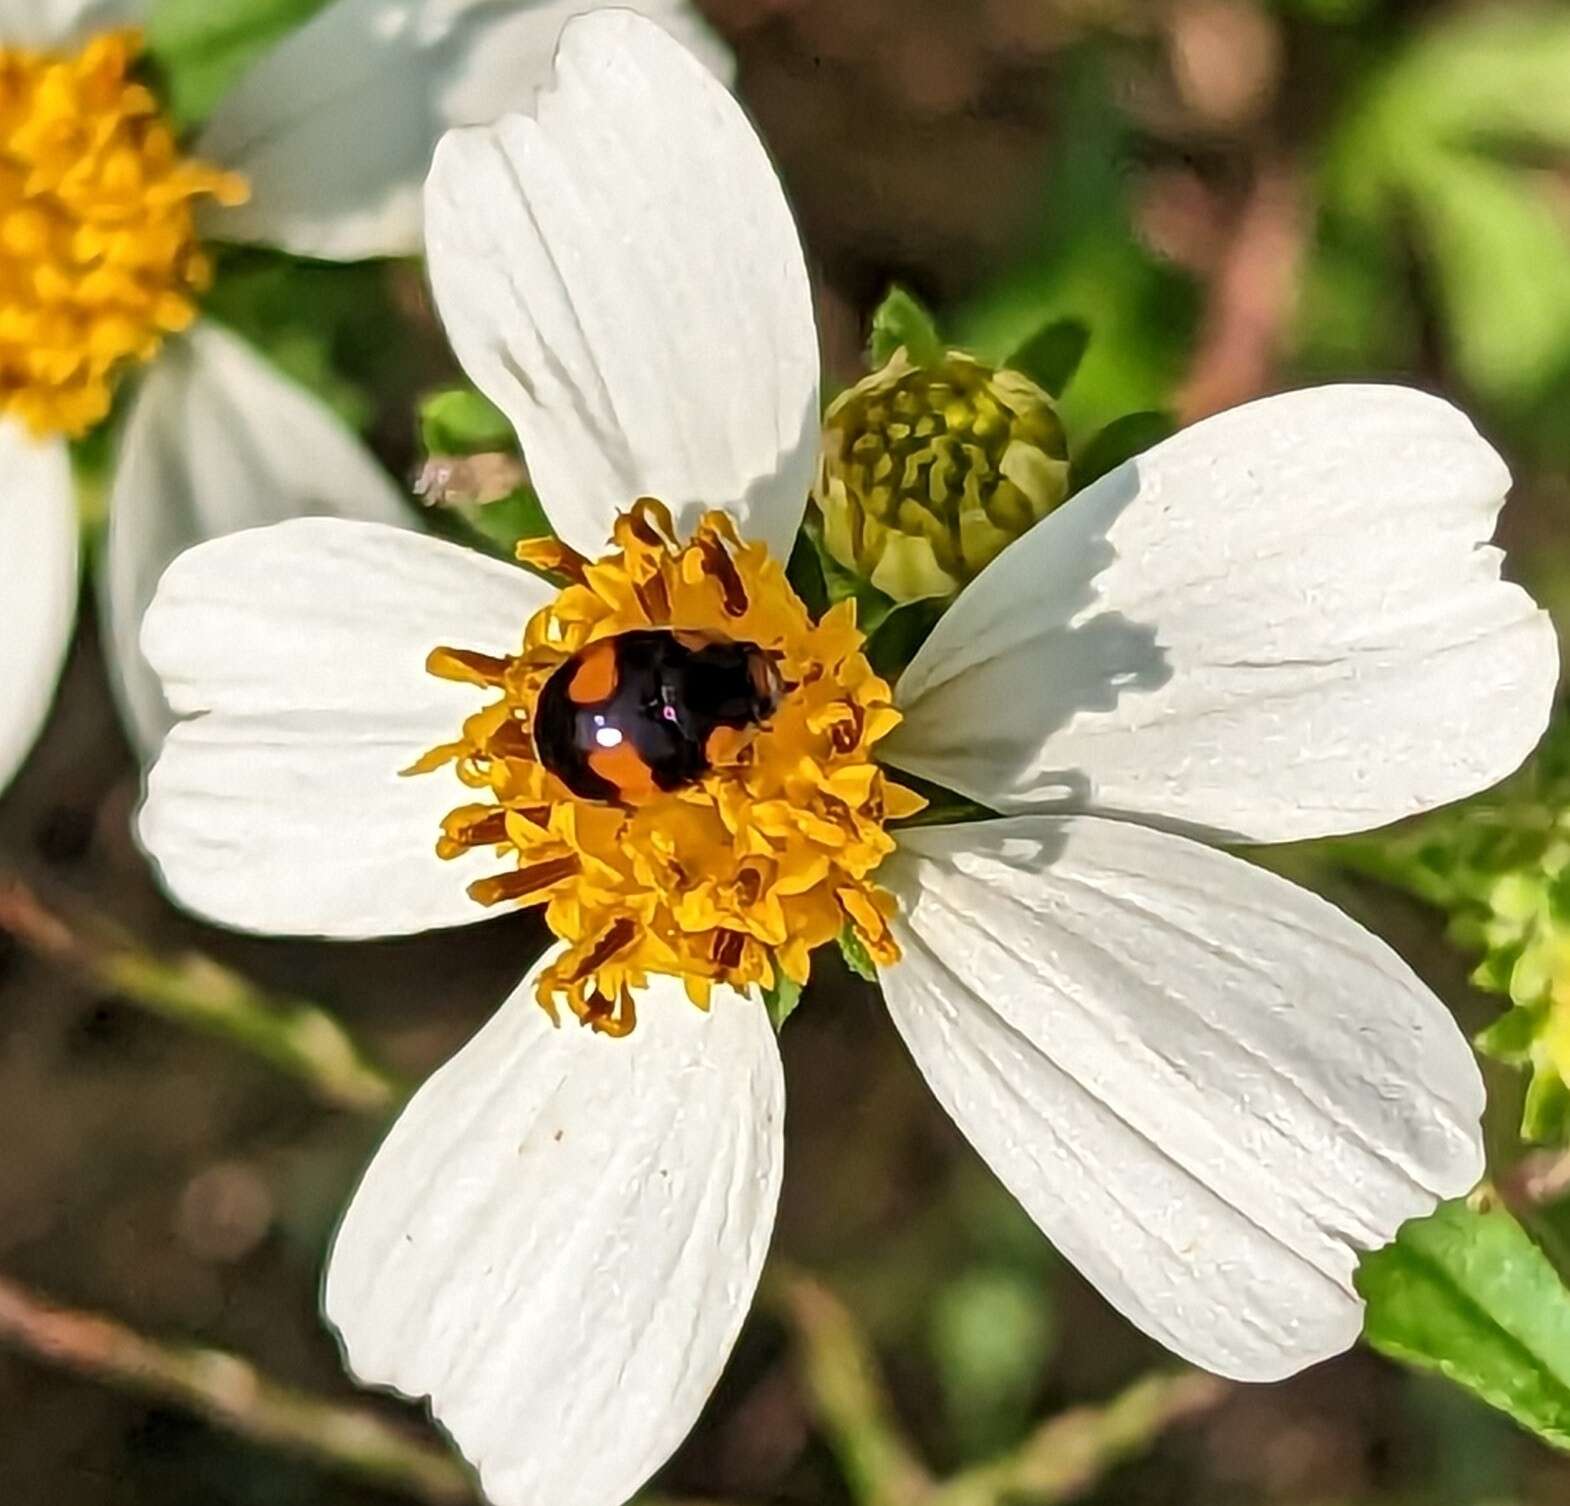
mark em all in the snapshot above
pixel 623 766
pixel 596 675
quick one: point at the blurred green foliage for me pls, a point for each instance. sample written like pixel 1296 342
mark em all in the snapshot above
pixel 1086 265
pixel 988 1331
pixel 461 421
pixel 1499 868
pixel 200 47
pixel 1448 161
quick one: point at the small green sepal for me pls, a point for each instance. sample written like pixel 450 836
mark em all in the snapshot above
pixel 1121 440
pixel 841 583
pixel 900 634
pixel 781 1000
pixel 509 521
pixel 901 320
pixel 1051 356
pixel 856 956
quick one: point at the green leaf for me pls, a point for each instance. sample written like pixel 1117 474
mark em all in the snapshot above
pixel 1121 440
pixel 200 47
pixel 1051 356
pixel 901 320
pixel 1468 1294
pixel 804 570
pixel 781 1000
pixel 461 421
pixel 856 956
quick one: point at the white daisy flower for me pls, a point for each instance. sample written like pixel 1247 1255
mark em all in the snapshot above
pixel 1208 1087
pixel 320 149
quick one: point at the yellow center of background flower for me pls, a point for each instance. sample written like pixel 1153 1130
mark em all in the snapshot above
pixel 98 252
pixel 732 879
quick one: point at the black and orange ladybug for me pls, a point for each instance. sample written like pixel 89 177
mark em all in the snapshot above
pixel 633 715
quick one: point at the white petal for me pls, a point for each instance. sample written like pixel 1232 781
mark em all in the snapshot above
pixel 299 652
pixel 63 23
pixel 334 128
pixel 218 439
pixel 559 1239
pixel 1208 1087
pixel 623 278
pixel 1284 622
pixel 38 585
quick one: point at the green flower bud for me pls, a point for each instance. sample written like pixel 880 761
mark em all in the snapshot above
pixel 928 472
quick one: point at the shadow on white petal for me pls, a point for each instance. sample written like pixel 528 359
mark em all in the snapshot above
pixel 1207 1086
pixel 64 23
pixel 217 439
pixel 1043 621
pixel 1284 622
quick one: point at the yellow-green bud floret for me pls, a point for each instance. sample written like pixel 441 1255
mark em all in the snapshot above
pixel 928 472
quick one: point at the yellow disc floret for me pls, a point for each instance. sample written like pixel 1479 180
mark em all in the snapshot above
pixel 98 252
pixel 732 879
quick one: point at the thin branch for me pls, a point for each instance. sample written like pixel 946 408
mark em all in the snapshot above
pixel 846 1389
pixel 1251 298
pixel 296 1037
pixel 230 1393
pixel 1071 1452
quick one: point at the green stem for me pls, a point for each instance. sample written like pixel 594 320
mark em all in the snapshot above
pixel 846 1389
pixel 294 1036
pixel 1070 1453
pixel 230 1393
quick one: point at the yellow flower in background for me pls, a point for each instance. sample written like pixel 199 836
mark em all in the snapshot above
pixel 107 220
pixel 99 259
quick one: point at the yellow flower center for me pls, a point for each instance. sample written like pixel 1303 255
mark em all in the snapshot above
pixel 733 878
pixel 98 252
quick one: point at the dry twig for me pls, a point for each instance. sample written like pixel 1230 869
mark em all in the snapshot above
pixel 1070 1453
pixel 297 1037
pixel 845 1386
pixel 1062 1459
pixel 231 1393
pixel 1251 298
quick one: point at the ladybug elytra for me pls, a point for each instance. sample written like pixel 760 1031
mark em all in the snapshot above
pixel 632 715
